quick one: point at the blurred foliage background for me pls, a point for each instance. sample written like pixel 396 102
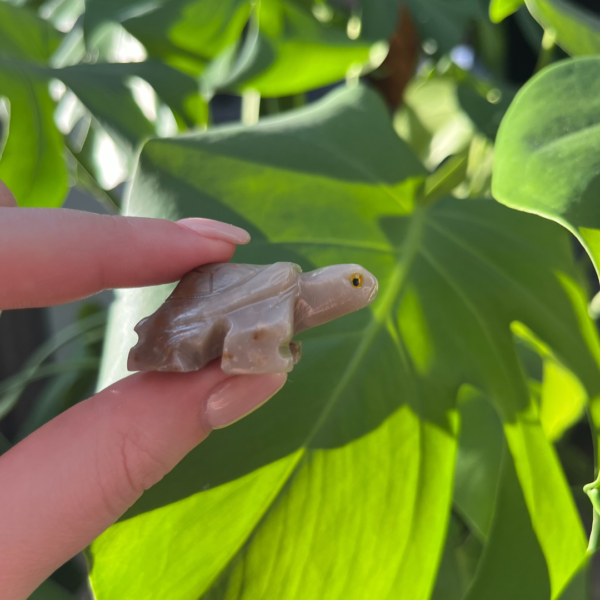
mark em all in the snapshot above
pixel 435 446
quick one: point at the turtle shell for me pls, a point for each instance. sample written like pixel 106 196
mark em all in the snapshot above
pixel 209 303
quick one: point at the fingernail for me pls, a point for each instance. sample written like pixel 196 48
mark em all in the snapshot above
pixel 239 396
pixel 216 230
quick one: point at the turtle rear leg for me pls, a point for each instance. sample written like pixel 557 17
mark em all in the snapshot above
pixel 295 349
pixel 178 347
pixel 260 343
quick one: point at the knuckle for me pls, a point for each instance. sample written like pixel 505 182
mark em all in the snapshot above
pixel 128 468
pixel 140 466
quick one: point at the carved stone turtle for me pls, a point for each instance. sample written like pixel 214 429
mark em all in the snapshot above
pixel 248 314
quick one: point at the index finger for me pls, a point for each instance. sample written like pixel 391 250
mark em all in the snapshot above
pixel 50 256
pixel 6 197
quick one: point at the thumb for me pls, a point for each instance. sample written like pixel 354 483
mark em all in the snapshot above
pixel 73 477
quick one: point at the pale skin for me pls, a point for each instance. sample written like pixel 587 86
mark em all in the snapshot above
pixel 71 479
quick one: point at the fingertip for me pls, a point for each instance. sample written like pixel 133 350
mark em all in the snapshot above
pixel 236 397
pixel 211 229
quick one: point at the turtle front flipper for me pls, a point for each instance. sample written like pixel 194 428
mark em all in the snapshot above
pixel 259 339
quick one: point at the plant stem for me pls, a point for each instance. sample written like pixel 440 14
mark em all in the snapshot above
pixel 592 491
pixel 595 533
pixel 546 50
pixel 250 107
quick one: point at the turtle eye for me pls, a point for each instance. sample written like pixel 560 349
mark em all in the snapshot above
pixel 356 280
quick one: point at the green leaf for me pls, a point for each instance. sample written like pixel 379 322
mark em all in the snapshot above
pixel 49 590
pixel 101 88
pixel 449 175
pixel 444 21
pixel 12 388
pixel 512 564
pixel 443 127
pixel 183 33
pixel 180 92
pixel 71 385
pixel 32 163
pixel 459 562
pixel 265 507
pixel 576 29
pixel 488 495
pixel 530 28
pixel 478 462
pixel 32 160
pixel 379 18
pixel 578 588
pixel 485 107
pixel 561 395
pixel 500 9
pixel 49 404
pixel 63 14
pixel 25 36
pixel 546 152
pixel 4 444
pixel 290 52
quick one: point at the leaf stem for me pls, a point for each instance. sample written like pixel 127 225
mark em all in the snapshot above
pixel 250 107
pixel 593 491
pixel 394 288
pixel 547 50
pixel 595 533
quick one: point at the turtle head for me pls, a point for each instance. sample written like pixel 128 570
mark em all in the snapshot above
pixel 331 292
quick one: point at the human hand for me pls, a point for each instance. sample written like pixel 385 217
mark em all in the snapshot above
pixel 72 478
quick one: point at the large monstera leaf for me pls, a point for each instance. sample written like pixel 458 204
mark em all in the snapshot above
pixel 341 485
pixel 547 150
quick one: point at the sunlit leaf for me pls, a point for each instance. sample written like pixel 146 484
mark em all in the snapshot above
pixel 561 396
pixel 576 28
pixel 183 33
pixel 288 52
pixel 32 162
pixel 349 470
pixel 444 129
pixel 500 9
